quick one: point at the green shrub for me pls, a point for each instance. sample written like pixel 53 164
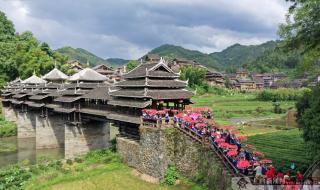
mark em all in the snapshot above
pixel 281 94
pixel 69 161
pixel 170 176
pixel 78 160
pixel 13 177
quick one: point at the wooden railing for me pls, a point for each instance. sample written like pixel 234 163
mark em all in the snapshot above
pixel 156 123
pixel 206 141
pixel 311 169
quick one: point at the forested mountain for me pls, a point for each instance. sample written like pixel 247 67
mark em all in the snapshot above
pixel 22 54
pixel 232 57
pixel 237 55
pixel 172 51
pixel 83 56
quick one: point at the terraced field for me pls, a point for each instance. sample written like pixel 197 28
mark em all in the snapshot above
pixel 265 129
pixel 283 148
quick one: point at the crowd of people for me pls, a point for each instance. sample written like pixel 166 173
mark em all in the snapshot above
pixel 228 142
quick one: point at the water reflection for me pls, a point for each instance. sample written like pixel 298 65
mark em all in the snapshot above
pixel 26 150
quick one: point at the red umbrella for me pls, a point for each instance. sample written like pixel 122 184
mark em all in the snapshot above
pixel 180 115
pixel 201 124
pixel 232 153
pixel 174 111
pixel 223 144
pixel 150 111
pixel 265 161
pixel 230 146
pixel 213 134
pixel 243 164
pixel 219 140
pixel 228 127
pixel 188 119
pixel 161 112
pixel 242 138
pixel 235 132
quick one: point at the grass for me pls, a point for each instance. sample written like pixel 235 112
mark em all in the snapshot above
pixel 7 128
pixel 97 170
pixel 266 130
pixel 120 178
pixel 238 106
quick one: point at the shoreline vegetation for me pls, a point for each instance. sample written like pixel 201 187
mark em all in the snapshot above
pixel 101 168
pixel 7 128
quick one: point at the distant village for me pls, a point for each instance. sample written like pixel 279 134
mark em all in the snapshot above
pixel 241 80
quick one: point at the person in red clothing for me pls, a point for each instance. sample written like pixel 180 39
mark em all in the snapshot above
pixel 270 175
pixel 279 178
pixel 299 177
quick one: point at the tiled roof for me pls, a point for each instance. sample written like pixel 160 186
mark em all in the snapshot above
pixel 88 74
pixel 99 93
pixel 152 83
pixel 157 94
pixel 55 74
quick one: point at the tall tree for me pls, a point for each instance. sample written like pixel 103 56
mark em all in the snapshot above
pixel 308 118
pixel 131 65
pixel 194 75
pixel 302 27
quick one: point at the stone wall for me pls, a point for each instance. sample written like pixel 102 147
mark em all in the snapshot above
pixel 159 148
pixel 91 136
pixel 26 124
pixel 49 132
pixel 130 151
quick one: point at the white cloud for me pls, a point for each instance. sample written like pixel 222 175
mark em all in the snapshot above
pixel 129 29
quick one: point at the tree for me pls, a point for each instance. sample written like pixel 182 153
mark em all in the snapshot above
pixel 308 117
pixel 194 75
pixel 302 29
pixel 131 65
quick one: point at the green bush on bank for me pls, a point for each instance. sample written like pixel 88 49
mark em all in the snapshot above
pixel 7 128
pixel 171 176
pixel 18 175
pixel 281 94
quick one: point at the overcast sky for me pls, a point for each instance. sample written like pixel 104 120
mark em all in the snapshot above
pixel 130 28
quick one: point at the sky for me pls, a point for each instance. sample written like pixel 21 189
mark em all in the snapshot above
pixel 130 28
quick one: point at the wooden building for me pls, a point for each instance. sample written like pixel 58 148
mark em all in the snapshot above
pixel 245 85
pixel 215 78
pixel 89 98
pixel 177 63
pixel 152 58
pixel 242 74
pixel 75 65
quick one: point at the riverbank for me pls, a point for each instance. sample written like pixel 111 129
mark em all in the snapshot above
pixel 101 169
pixel 7 128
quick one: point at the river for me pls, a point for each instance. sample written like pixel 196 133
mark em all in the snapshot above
pixel 25 149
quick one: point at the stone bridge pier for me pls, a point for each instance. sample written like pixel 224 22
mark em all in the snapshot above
pixel 86 137
pixel 50 132
pixel 26 124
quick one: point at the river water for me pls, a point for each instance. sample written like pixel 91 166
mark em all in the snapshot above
pixel 25 149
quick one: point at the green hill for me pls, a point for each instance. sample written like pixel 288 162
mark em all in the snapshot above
pixel 232 57
pixel 237 55
pixel 172 51
pixel 83 56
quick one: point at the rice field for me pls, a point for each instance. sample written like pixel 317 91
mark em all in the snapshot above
pixel 267 131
